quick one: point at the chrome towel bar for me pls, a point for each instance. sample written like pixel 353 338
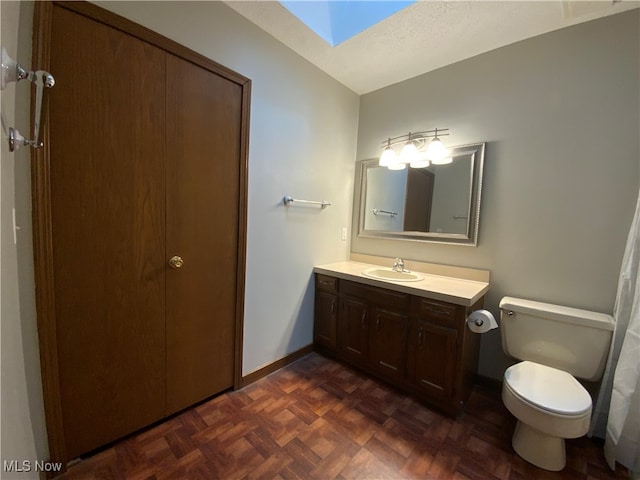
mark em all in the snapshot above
pixel 287 200
pixel 377 211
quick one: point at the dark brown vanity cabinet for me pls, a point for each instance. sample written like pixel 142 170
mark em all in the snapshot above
pixel 372 327
pixel 417 344
pixel 388 342
pixel 325 326
pixel 353 329
pixel 433 347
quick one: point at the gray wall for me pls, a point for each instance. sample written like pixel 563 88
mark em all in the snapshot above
pixel 559 113
pixel 21 408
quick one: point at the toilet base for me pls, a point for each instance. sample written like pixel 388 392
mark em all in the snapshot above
pixel 538 448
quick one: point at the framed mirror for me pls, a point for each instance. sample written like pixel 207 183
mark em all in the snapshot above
pixel 439 203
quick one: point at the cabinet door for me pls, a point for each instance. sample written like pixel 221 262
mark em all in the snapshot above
pixel 325 319
pixel 388 342
pixel 354 328
pixel 432 357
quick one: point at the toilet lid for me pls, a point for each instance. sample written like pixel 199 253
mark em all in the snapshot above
pixel 548 388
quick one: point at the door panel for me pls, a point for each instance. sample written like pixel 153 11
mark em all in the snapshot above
pixel 325 318
pixel 432 358
pixel 353 327
pixel 389 342
pixel 203 178
pixel 107 168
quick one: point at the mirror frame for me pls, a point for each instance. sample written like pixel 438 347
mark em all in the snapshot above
pixel 470 238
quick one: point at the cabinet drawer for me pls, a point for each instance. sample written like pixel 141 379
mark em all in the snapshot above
pixel 324 282
pixel 438 312
pixel 377 296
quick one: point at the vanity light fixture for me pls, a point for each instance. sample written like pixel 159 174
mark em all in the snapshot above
pixel 417 152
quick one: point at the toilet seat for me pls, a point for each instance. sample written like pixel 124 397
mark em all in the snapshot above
pixel 548 389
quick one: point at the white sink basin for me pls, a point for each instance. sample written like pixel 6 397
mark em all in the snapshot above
pixel 382 273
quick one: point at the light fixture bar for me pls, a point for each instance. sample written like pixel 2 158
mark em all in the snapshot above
pixel 416 152
pixel 415 136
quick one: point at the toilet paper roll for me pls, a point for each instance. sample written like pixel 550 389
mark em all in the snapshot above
pixel 481 321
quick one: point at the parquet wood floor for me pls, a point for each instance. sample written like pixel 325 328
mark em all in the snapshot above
pixel 318 419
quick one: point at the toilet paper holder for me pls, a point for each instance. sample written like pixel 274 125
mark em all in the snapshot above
pixel 478 321
pixel 481 321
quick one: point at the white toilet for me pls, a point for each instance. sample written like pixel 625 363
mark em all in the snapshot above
pixel 555 345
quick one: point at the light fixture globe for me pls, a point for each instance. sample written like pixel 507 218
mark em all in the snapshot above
pixel 388 157
pixel 437 152
pixel 443 161
pixel 409 153
pixel 398 165
pixel 421 163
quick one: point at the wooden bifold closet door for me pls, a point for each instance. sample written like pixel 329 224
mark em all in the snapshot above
pixel 203 131
pixel 146 161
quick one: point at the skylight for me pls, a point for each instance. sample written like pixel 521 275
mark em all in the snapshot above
pixel 338 20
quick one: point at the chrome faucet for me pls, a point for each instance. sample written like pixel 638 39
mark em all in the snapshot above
pixel 398 265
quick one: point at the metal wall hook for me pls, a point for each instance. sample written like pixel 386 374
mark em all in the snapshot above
pixel 16 140
pixel 13 72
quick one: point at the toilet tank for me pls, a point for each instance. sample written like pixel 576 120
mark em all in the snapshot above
pixel 573 340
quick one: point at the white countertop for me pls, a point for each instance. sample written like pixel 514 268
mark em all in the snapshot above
pixel 448 289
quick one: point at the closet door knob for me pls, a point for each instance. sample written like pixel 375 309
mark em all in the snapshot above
pixel 176 262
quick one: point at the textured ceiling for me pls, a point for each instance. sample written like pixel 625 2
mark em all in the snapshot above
pixel 424 36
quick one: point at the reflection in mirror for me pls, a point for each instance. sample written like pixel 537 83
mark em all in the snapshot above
pixel 438 203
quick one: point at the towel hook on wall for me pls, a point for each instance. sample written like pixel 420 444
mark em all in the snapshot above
pixel 13 72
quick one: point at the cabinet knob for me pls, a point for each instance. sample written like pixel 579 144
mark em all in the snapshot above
pixel 176 262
